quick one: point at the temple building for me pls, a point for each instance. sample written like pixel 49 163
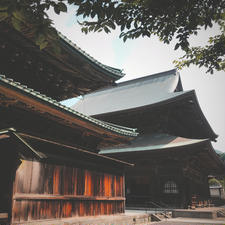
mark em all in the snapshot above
pixel 59 162
pixel 50 167
pixel 173 155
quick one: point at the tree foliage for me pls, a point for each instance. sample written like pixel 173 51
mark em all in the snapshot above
pixel 168 19
pixel 211 56
pixel 171 19
pixel 213 181
pixel 217 181
pixel 30 17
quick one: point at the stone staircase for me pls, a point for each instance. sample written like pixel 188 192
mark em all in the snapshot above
pixel 161 216
pixel 221 213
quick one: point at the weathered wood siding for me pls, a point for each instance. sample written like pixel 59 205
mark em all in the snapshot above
pixel 44 191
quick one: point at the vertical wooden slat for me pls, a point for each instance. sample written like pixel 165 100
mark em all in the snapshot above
pixel 56 180
pixel 80 181
pixel 65 180
pixel 88 184
pixel 81 209
pixel 74 181
pixel 36 171
pixel 106 185
pixel 121 186
pixel 110 185
pixel 16 210
pixel 44 178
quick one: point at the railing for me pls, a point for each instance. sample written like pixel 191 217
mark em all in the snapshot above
pixel 147 204
pixel 161 208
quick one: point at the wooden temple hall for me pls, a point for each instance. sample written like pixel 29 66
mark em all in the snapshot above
pixel 49 164
pixel 58 162
pixel 173 155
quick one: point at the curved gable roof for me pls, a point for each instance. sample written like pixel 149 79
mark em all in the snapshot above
pixel 143 94
pixel 62 70
pixel 157 145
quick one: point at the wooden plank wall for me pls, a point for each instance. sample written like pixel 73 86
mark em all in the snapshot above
pixel 44 191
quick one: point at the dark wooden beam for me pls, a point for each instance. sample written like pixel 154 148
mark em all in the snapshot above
pixel 20 196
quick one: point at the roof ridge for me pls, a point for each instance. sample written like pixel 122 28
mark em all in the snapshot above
pixel 133 81
pixel 122 130
pixel 150 76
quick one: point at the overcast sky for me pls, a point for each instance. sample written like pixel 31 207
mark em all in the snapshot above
pixel 146 56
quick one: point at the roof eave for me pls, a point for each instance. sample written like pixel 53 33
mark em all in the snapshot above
pixel 74 49
pixel 152 149
pixel 186 94
pixel 9 83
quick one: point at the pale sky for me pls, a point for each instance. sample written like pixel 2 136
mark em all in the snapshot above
pixel 146 56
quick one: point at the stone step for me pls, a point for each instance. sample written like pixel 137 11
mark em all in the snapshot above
pixel 221 213
pixel 160 216
pixel 207 213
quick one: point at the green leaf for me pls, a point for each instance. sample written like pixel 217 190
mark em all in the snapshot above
pixel 56 9
pixel 111 25
pixel 43 45
pixel 97 27
pixel 56 49
pixel 84 30
pixel 91 28
pixel 93 13
pixel 40 39
pixel 122 27
pixel 176 46
pixel 70 1
pixel 16 23
pixel 3 8
pixel 3 16
pixel 106 29
pixel 62 7
pixel 18 15
pixel 124 38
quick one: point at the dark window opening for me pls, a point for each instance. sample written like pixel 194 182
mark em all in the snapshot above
pixel 170 187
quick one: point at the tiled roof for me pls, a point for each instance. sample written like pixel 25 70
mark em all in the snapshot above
pixel 157 145
pixel 144 93
pixel 114 71
pixel 28 91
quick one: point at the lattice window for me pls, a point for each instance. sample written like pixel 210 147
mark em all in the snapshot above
pixel 170 187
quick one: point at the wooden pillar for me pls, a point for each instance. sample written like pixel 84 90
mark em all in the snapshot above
pixel 185 192
pixel 157 188
pixel 124 193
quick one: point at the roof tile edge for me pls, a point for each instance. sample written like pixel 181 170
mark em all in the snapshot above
pixel 114 71
pixel 121 130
